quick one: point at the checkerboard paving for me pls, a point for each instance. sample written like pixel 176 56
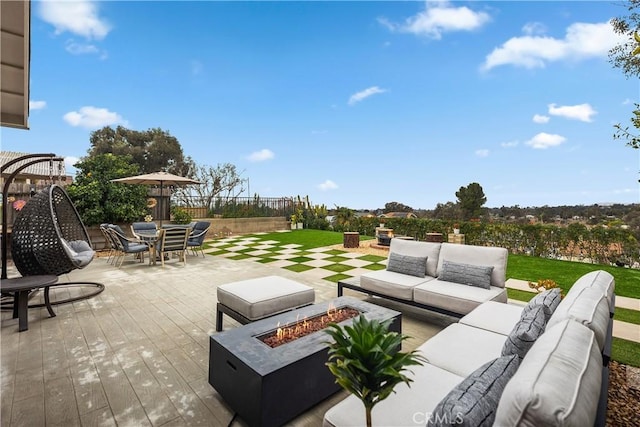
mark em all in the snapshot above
pixel 323 263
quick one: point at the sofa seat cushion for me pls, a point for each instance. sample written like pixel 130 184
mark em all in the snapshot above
pixel 418 249
pixel 461 349
pixel 408 406
pixel 589 306
pixel 477 255
pixel 456 297
pixel 475 400
pixel 494 316
pixel 558 382
pixel 393 284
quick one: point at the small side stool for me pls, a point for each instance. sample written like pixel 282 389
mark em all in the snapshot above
pixel 254 299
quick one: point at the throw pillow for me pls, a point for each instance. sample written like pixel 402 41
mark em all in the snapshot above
pixel 548 300
pixel 406 264
pixel 530 326
pixel 67 247
pixel 466 274
pixel 474 401
pixel 80 245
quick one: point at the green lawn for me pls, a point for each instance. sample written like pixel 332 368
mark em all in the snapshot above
pixel 565 273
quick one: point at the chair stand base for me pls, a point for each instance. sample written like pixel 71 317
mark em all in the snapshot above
pixel 8 305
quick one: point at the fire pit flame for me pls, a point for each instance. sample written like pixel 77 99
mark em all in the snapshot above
pixel 287 333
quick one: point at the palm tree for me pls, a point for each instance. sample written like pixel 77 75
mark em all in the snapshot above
pixel 366 360
pixel 344 217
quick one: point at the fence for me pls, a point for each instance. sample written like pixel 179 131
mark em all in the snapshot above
pixel 237 207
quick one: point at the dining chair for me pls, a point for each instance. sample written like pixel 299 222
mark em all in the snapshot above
pixel 143 227
pixel 198 234
pixel 173 240
pixel 127 245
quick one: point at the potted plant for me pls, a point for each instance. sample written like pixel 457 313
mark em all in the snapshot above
pixel 456 228
pixel 366 360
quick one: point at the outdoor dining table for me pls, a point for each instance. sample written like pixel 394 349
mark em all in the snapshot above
pixel 150 238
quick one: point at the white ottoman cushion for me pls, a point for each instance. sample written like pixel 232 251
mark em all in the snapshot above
pixel 265 296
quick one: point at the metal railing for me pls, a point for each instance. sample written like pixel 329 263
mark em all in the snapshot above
pixel 237 207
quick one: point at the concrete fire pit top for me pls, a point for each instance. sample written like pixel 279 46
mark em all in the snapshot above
pixel 244 343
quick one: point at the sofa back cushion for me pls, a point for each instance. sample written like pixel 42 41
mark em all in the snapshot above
pixel 477 255
pixel 474 401
pixel 598 279
pixel 588 306
pixel 558 382
pixel 418 249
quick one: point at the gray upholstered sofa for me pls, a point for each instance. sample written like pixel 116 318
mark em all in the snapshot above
pixel 437 276
pixel 543 364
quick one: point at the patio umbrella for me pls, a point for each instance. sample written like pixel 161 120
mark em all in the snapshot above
pixel 158 178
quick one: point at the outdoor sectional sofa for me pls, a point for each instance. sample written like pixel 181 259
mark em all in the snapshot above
pixel 544 363
pixel 436 276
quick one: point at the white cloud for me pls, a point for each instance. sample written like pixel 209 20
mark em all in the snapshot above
pixel 510 144
pixel 69 161
pixel 538 118
pixel 581 41
pixel 261 156
pixel 532 28
pixel 37 105
pixel 582 112
pixel 545 140
pixel 327 185
pixel 75 48
pixel 357 97
pixel 438 18
pixel 78 17
pixel 482 153
pixel 627 101
pixel 92 118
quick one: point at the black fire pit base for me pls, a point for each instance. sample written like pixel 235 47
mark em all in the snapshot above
pixel 270 386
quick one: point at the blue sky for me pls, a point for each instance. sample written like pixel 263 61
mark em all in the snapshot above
pixel 353 103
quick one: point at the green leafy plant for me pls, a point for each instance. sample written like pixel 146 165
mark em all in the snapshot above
pixel 366 360
pixel 180 216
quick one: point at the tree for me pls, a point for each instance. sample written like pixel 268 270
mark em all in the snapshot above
pixel 152 150
pixel 222 182
pixel 99 200
pixel 624 56
pixel 344 217
pixel 396 207
pixel 471 199
pixel 447 210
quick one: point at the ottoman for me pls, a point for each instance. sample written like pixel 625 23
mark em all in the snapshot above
pixel 254 299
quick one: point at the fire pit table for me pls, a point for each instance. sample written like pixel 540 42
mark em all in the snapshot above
pixel 268 386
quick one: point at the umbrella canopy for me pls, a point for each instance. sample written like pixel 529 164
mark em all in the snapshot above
pixel 157 178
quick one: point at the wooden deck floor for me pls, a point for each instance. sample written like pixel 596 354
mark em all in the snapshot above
pixel 137 354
